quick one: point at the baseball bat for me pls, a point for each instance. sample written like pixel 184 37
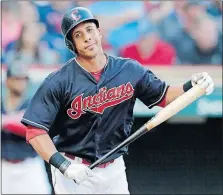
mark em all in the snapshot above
pixel 170 110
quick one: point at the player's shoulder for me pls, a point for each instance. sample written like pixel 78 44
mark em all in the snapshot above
pixel 122 63
pixel 62 72
pixel 118 60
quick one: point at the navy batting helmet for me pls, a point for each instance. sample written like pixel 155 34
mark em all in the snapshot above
pixel 71 19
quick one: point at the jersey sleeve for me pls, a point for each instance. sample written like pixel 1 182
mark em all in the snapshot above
pixel 150 89
pixel 43 107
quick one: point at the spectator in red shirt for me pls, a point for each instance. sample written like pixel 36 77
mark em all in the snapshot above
pixel 149 49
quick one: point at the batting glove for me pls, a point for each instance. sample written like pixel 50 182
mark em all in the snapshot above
pixel 204 80
pixel 78 172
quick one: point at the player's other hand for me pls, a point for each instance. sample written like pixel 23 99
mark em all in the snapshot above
pixel 204 80
pixel 78 172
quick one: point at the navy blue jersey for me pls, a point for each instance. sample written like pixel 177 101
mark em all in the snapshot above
pixel 15 147
pixel 89 118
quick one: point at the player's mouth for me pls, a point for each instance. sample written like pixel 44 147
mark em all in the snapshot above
pixel 90 46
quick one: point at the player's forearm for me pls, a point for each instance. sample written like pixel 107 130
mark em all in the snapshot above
pixel 46 149
pixel 201 79
pixel 43 146
pixel 173 92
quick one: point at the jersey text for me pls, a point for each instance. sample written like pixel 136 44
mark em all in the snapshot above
pixel 100 101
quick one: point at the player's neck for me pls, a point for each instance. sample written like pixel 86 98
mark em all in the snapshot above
pixel 93 64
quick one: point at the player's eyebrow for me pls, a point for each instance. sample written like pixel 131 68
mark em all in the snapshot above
pixel 88 26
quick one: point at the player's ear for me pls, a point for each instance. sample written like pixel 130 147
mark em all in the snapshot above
pixel 100 34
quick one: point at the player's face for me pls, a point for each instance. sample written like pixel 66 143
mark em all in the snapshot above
pixel 17 85
pixel 87 39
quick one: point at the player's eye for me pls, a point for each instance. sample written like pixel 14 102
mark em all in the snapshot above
pixel 89 29
pixel 77 35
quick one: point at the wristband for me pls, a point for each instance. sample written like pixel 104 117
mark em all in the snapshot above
pixel 188 85
pixel 58 161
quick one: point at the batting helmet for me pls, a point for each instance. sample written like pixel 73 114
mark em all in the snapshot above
pixel 71 19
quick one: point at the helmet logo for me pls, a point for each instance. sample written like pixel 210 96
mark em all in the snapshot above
pixel 75 15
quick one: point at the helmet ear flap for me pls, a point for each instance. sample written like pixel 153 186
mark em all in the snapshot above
pixel 70 46
pixel 69 43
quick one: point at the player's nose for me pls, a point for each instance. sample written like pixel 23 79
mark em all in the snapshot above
pixel 87 37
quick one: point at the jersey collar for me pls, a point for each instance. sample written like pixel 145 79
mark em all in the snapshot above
pixel 86 69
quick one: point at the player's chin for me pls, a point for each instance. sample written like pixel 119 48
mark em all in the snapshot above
pixel 91 54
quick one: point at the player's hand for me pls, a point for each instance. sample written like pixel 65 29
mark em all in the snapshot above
pixel 78 172
pixel 204 80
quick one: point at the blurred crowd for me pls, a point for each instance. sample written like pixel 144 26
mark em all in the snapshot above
pixel 152 32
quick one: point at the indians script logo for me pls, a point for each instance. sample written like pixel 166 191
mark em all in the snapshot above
pixel 100 101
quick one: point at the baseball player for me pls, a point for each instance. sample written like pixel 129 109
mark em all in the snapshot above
pixel 22 168
pixel 83 110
